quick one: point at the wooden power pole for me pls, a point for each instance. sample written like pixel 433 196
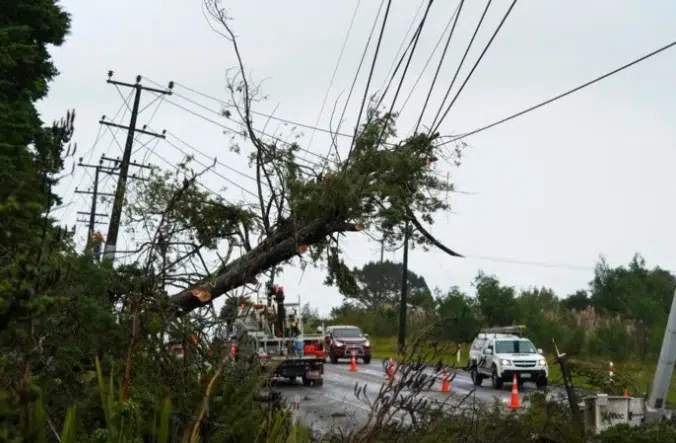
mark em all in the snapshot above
pixel 116 213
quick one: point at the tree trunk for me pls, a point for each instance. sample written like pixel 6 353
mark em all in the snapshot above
pixel 280 246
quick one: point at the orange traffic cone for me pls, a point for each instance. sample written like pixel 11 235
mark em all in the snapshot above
pixel 514 404
pixel 444 381
pixel 625 393
pixel 353 363
pixel 390 370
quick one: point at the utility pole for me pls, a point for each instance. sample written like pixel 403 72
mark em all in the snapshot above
pixel 380 277
pixel 382 251
pixel 95 197
pixel 404 292
pixel 116 214
pixel 403 304
pixel 92 222
pixel 665 367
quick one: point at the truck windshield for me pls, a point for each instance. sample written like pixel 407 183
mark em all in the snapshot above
pixel 514 347
pixel 347 332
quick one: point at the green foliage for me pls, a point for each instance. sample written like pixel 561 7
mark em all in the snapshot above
pixel 458 317
pixel 377 187
pixel 173 203
pixel 380 286
pixel 661 431
pixel 497 303
pixel 621 318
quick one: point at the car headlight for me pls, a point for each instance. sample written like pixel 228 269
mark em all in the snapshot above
pixel 505 362
pixel 367 344
pixel 542 362
pixel 338 343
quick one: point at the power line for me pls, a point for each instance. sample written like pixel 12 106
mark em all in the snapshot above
pixel 403 42
pixel 462 61
pixel 211 191
pixel 562 95
pixel 370 76
pixel 207 119
pixel 90 151
pixel 429 59
pixel 414 38
pixel 113 132
pixel 213 171
pixel 539 264
pixel 476 64
pixel 408 63
pixel 356 75
pixel 192 147
pixel 223 126
pixel 333 77
pixel 262 114
pixel 455 15
pixel 188 145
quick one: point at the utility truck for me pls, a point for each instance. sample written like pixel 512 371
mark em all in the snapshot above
pixel 274 331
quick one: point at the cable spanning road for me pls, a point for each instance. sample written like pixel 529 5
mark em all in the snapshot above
pixel 334 406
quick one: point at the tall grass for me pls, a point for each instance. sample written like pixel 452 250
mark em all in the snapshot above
pixel 118 428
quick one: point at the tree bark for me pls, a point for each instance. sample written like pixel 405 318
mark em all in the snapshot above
pixel 282 245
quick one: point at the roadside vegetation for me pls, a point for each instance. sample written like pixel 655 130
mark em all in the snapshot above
pixel 619 318
pixel 96 352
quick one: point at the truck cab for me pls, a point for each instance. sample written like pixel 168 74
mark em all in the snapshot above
pixel 500 353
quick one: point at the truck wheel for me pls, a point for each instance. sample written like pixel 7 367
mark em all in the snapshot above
pixel 292 379
pixel 477 379
pixel 496 381
pixel 367 360
pixel 541 383
pixel 334 359
pixel 306 381
pixel 319 382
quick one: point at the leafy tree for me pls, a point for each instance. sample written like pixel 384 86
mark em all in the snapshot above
pixel 311 318
pixel 497 303
pixel 577 301
pixel 380 286
pixel 539 311
pixel 534 302
pixel 29 152
pixel 635 293
pixel 458 316
pixel 34 251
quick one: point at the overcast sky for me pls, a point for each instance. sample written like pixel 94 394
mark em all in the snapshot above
pixel 591 174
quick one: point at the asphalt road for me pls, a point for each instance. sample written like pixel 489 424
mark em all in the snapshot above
pixel 334 406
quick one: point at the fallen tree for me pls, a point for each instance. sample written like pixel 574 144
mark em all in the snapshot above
pixel 378 187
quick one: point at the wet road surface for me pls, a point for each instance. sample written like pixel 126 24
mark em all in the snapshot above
pixel 334 406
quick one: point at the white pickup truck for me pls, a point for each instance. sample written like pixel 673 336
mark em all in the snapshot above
pixel 500 353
